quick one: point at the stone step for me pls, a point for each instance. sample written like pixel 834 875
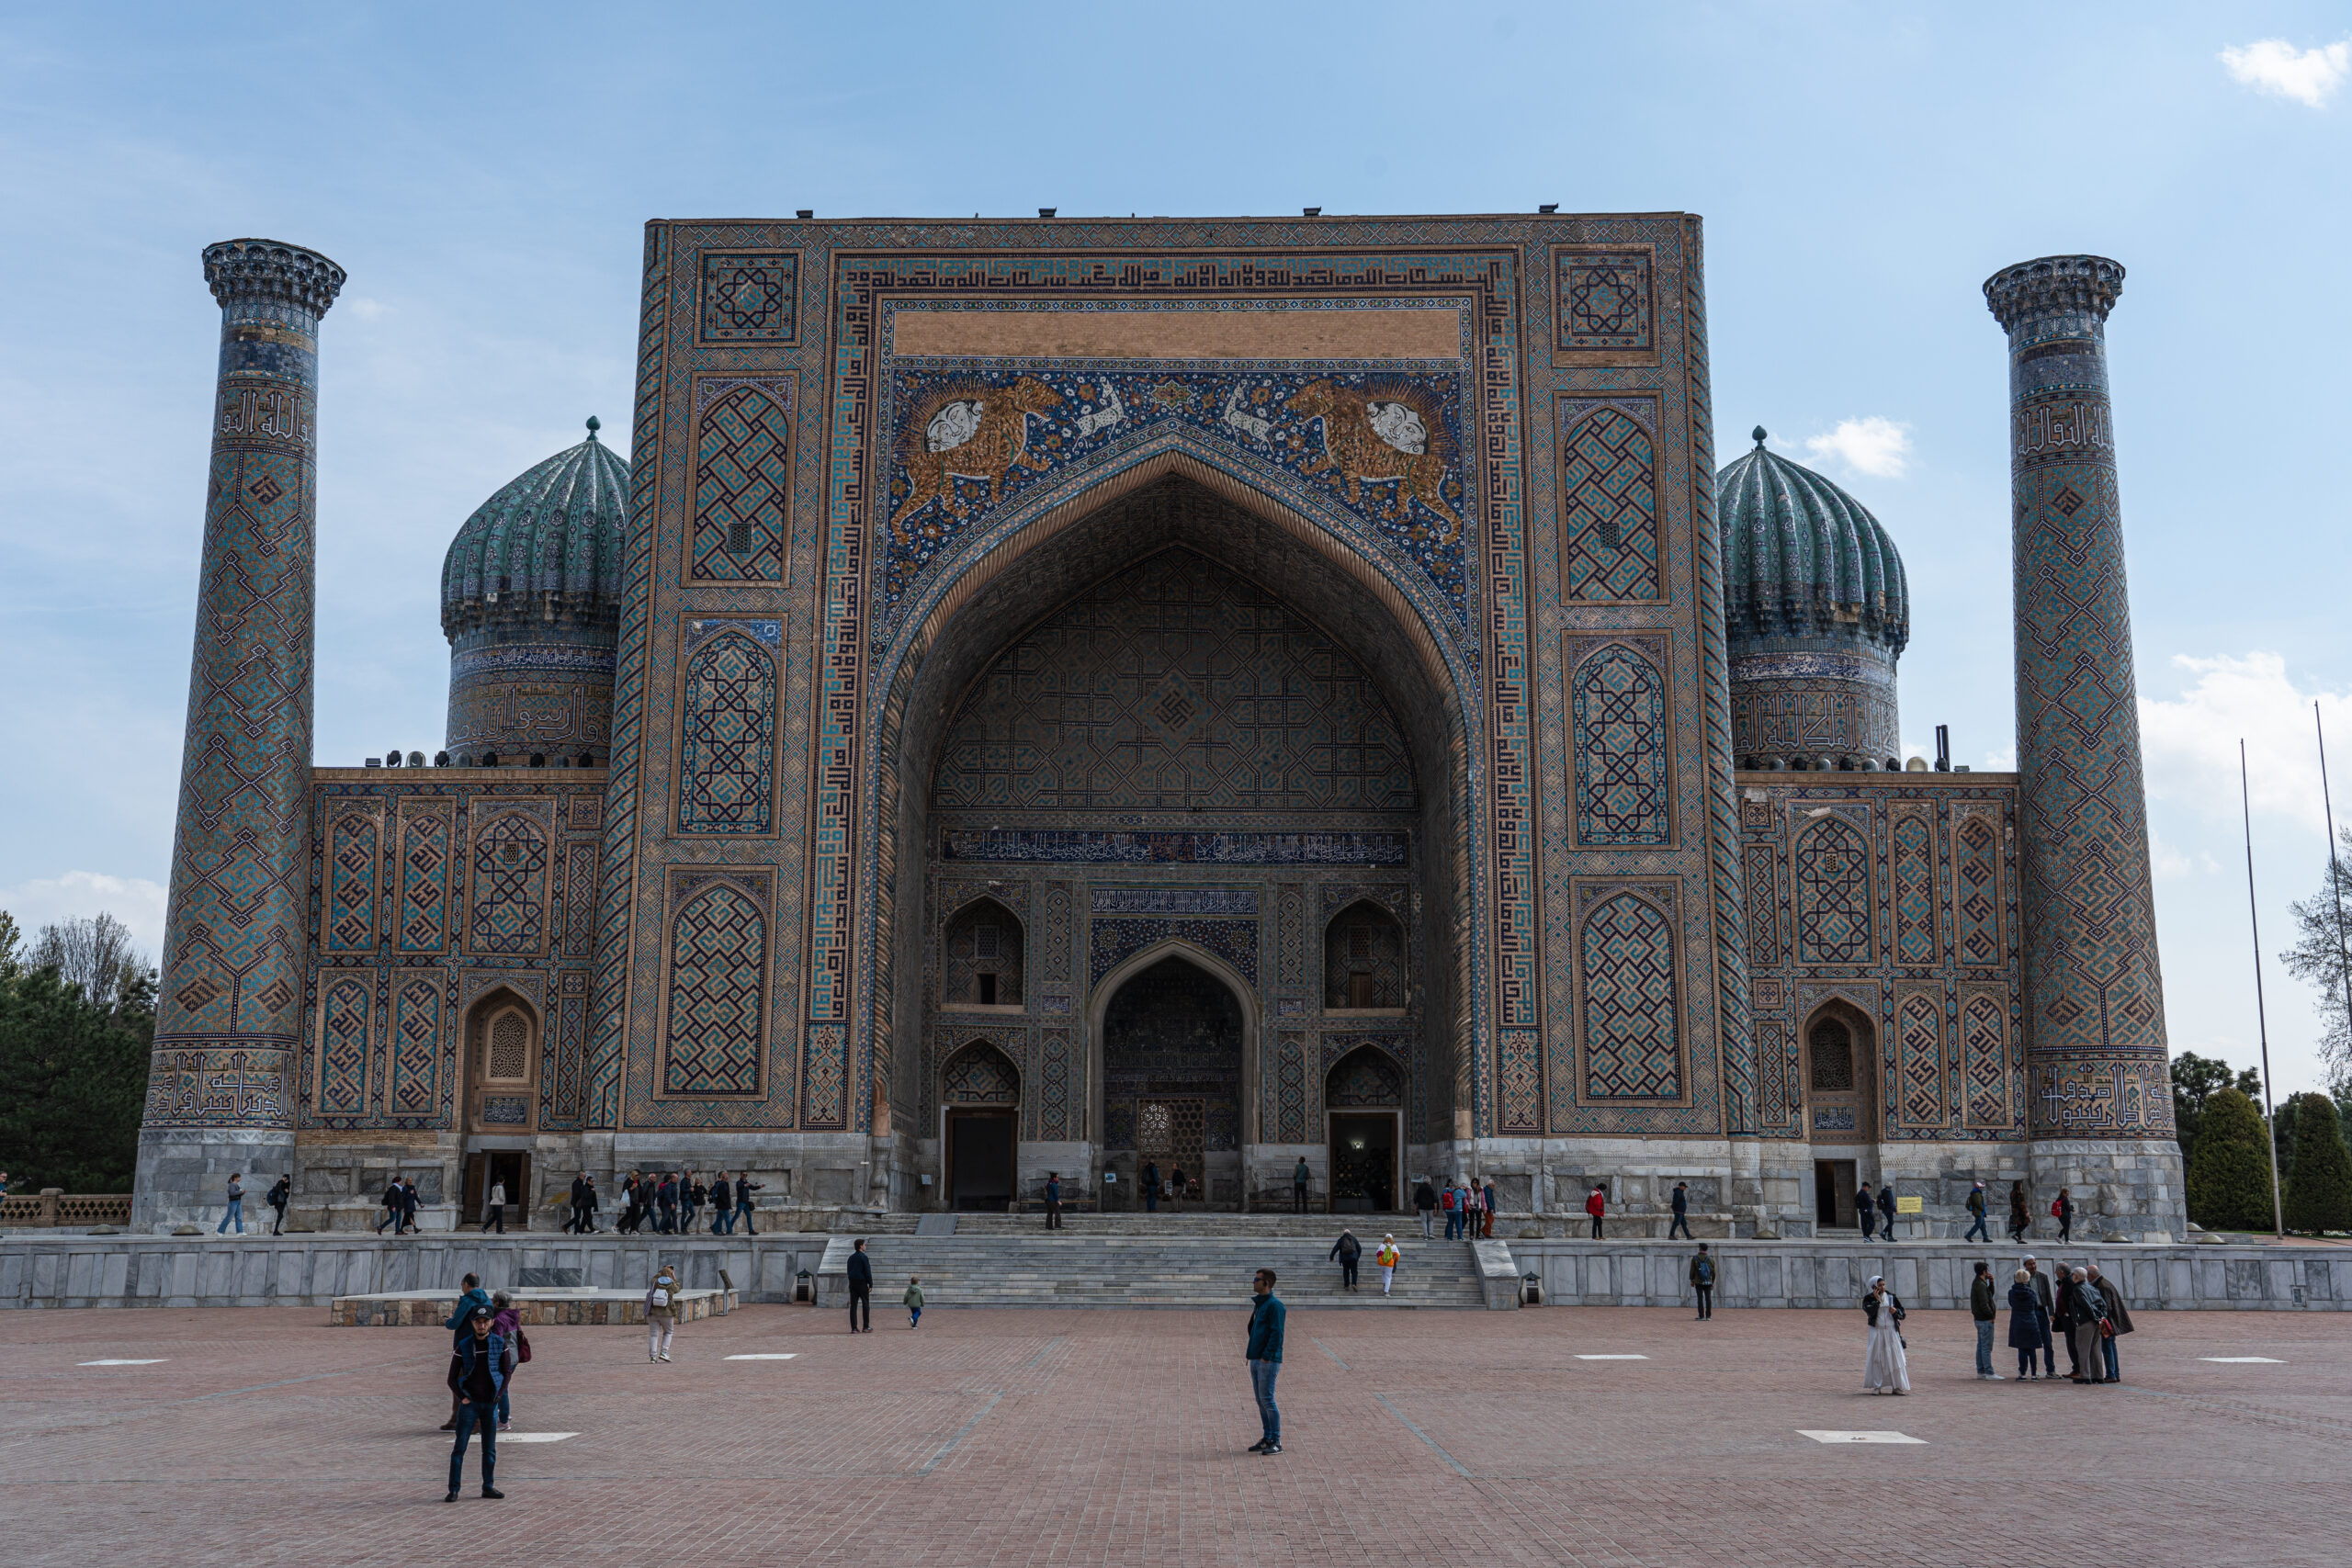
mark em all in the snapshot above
pixel 1112 1269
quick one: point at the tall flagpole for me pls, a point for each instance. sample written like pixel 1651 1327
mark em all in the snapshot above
pixel 2261 1021
pixel 2335 874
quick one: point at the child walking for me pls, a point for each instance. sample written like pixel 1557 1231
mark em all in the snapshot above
pixel 913 1299
pixel 1387 1258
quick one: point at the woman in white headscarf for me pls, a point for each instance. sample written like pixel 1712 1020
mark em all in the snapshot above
pixel 1885 1368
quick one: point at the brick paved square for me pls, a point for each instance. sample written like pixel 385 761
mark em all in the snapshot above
pixel 1083 1438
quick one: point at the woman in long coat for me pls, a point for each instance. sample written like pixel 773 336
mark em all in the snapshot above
pixel 2085 1307
pixel 2028 1330
pixel 1885 1367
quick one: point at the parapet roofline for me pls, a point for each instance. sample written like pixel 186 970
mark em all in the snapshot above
pixel 1069 218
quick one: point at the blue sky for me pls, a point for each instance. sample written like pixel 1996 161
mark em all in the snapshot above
pixel 482 173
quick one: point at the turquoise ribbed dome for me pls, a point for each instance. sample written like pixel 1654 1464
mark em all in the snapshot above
pixel 1802 559
pixel 549 542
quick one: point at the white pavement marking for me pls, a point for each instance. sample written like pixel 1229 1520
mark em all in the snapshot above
pixel 535 1436
pixel 1613 1358
pixel 766 1356
pixel 112 1361
pixel 2266 1361
pixel 1857 1437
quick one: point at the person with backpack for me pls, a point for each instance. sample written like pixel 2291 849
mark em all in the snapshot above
pixel 2062 1209
pixel 506 1319
pixel 914 1300
pixel 1885 1367
pixel 1486 1210
pixel 744 1188
pixel 1682 1215
pixel 1976 1230
pixel 666 1197
pixel 1348 1250
pixel 1386 1259
pixel 1445 1206
pixel 278 1194
pixel 480 1364
pixel 722 1206
pixel 1703 1282
pixel 1425 1202
pixel 237 1208
pixel 660 1312
pixel 691 1198
pixel 1979 1309
pixel 391 1207
pixel 1597 1205
pixel 860 1273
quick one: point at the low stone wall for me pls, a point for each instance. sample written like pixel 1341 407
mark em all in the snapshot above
pixel 433 1310
pixel 2206 1275
pixel 314 1271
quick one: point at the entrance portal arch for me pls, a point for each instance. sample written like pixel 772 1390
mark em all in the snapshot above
pixel 1173 1039
pixel 1841 1079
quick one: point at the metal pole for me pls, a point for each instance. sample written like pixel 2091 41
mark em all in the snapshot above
pixel 2335 874
pixel 2261 1021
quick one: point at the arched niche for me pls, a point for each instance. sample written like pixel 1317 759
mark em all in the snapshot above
pixel 981 957
pixel 1363 1114
pixel 501 1070
pixel 1172 961
pixel 980 1128
pixel 1365 968
pixel 1840 1062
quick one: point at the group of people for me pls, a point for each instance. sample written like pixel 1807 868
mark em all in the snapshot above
pixel 401 1201
pixel 859 1271
pixel 1468 1207
pixel 1176 1189
pixel 2079 1307
pixel 233 1209
pixel 670 1200
pixel 1348 1252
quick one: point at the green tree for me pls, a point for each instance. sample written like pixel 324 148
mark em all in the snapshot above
pixel 2319 1193
pixel 77 1076
pixel 2194 1080
pixel 2229 1174
pixel 2322 954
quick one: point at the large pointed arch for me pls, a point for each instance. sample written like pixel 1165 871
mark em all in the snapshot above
pixel 1098 1008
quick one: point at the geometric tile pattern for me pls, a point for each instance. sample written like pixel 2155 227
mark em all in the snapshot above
pixel 1175 685
pixel 1912 839
pixel 1833 888
pixel 423 882
pixel 742 485
pixel 346 1006
pixel 353 844
pixel 509 887
pixel 1976 888
pixel 728 740
pixel 1609 485
pixel 1364 959
pixel 1054 1112
pixel 1112 942
pixel 1519 1081
pixel 1290 1087
pixel 1626 961
pixel 718 963
pixel 1984 1061
pixel 749 298
pixel 1619 737
pixel 979 1075
pixel 1919 1059
pixel 417 1048
pixel 825 1092
pixel 1365 1079
pixel 1605 300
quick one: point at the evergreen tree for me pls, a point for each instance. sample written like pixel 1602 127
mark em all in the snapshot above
pixel 2194 1080
pixel 2229 1174
pixel 2319 1195
pixel 77 1078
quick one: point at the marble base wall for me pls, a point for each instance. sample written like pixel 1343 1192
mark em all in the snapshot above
pixel 183 1172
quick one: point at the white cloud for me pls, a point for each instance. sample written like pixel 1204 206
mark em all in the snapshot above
pixel 360 305
pixel 135 901
pixel 2191 743
pixel 2004 761
pixel 2169 862
pixel 2275 66
pixel 1872 445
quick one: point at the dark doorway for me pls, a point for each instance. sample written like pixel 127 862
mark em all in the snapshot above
pixel 979 1161
pixel 1833 1193
pixel 485 1166
pixel 1172 1077
pixel 1364 1162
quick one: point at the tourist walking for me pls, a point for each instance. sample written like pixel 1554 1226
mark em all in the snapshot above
pixel 660 1312
pixel 1976 1220
pixel 1682 1220
pixel 722 1209
pixel 2088 1320
pixel 235 1211
pixel 2047 1299
pixel 1386 1259
pixel 1486 1210
pixel 2062 1209
pixel 665 1198
pixel 692 1195
pixel 2028 1324
pixel 588 1205
pixel 1979 1309
pixel 914 1300
pixel 1453 1219
pixel 494 1208
pixel 1265 1355
pixel 1885 1367
pixel 1597 1205
pixel 1300 1179
pixel 391 1207
pixel 1176 1191
pixel 506 1320
pixel 459 1322
pixel 2020 1221
pixel 1348 1251
pixel 2118 1321
pixel 278 1194
pixel 1152 1186
pixel 1866 1209
pixel 410 1198
pixel 1425 1202
pixel 1053 1200
pixel 1886 1211
pixel 744 1188
pixel 480 1364
pixel 1703 1281
pixel 861 1286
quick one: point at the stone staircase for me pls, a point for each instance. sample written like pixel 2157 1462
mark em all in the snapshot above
pixel 1156 1263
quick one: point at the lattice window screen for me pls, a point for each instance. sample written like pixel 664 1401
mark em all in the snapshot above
pixel 510 1048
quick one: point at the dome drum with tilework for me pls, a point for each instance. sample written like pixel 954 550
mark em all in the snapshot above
pixel 1817 611
pixel 530 602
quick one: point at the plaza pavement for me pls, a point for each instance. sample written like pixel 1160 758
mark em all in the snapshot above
pixel 1040 1436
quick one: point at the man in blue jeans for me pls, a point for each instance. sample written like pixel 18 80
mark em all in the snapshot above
pixel 1265 1353
pixel 1976 1216
pixel 1980 1308
pixel 237 1208
pixel 479 1367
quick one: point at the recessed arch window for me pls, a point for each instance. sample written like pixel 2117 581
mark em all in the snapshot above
pixel 1363 958
pixel 982 960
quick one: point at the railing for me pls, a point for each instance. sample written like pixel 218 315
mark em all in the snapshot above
pixel 54 1206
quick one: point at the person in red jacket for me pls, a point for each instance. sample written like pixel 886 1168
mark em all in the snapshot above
pixel 1596 1206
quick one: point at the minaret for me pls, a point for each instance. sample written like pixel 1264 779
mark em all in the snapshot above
pixel 228 1024
pixel 2097 1071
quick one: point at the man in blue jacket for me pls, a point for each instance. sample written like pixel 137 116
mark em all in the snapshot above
pixel 1266 1313
pixel 460 1323
pixel 480 1365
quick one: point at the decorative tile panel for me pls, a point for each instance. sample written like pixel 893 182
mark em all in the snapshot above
pixel 1609 544
pixel 1911 837
pixel 1618 719
pixel 714 1035
pixel 1605 300
pixel 1626 975
pixel 347 1017
pixel 510 886
pixel 1833 893
pixel 354 847
pixel 425 861
pixel 748 297
pixel 1918 1096
pixel 727 744
pixel 742 526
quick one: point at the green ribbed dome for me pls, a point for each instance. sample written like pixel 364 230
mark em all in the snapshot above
pixel 1802 559
pixel 557 531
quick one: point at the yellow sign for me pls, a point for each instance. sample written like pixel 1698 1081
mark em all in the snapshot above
pixel 1909 1205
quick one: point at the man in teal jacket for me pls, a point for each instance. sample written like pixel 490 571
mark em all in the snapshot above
pixel 1265 1353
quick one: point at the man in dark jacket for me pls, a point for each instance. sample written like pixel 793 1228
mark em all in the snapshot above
pixel 391 1207
pixel 1976 1216
pixel 479 1366
pixel 666 1197
pixel 1425 1200
pixel 1301 1179
pixel 278 1196
pixel 1703 1282
pixel 460 1323
pixel 2062 1323
pixel 1980 1307
pixel 744 1188
pixel 582 1200
pixel 1886 1211
pixel 1265 1356
pixel 1865 1209
pixel 1149 1181
pixel 861 1286
pixel 2049 1299
pixel 2119 1315
pixel 410 1198
pixel 1053 1200
pixel 1682 1215
pixel 722 1206
pixel 1348 1250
